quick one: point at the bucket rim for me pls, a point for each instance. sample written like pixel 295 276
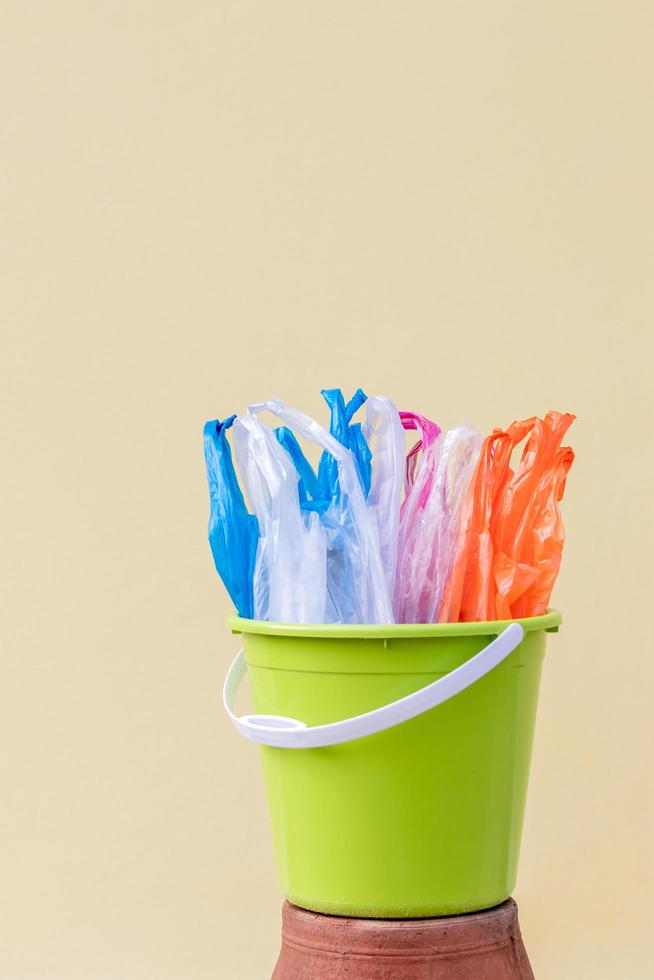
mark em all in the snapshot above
pixel 549 621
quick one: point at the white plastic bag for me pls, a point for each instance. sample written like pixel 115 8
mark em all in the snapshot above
pixel 385 436
pixel 357 590
pixel 289 582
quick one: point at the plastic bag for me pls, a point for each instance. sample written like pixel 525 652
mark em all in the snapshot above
pixel 356 587
pixel 233 532
pixel 413 561
pixel 289 581
pixel 349 434
pixel 429 433
pixel 384 435
pixel 307 479
pixel 437 481
pixel 511 538
pixel 316 491
pixel 381 477
pixel 528 532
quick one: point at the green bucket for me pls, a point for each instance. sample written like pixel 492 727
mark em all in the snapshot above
pixel 401 792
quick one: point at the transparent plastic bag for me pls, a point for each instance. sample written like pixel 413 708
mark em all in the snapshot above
pixel 437 480
pixel 416 515
pixel 459 455
pixel 384 436
pixel 356 586
pixel 289 582
pixel 233 532
pixel 429 433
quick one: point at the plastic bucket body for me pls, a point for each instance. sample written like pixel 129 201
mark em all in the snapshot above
pixel 424 818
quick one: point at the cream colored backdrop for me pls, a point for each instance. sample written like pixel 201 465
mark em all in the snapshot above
pixel 208 202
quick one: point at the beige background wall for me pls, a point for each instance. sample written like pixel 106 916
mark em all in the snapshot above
pixel 207 202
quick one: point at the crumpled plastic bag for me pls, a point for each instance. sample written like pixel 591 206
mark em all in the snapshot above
pixel 438 474
pixel 384 435
pixel 349 434
pixel 354 589
pixel 381 472
pixel 233 532
pixel 289 579
pixel 509 547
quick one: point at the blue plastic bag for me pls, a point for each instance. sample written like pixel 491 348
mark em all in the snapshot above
pixel 349 435
pixel 233 532
pixel 307 483
pixel 317 492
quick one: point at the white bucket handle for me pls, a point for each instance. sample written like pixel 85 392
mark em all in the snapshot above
pixel 288 733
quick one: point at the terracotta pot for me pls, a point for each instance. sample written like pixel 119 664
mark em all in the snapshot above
pixel 480 946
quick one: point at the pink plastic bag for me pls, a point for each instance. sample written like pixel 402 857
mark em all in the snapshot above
pixel 438 473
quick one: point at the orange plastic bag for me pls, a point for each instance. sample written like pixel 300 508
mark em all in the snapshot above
pixel 511 539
